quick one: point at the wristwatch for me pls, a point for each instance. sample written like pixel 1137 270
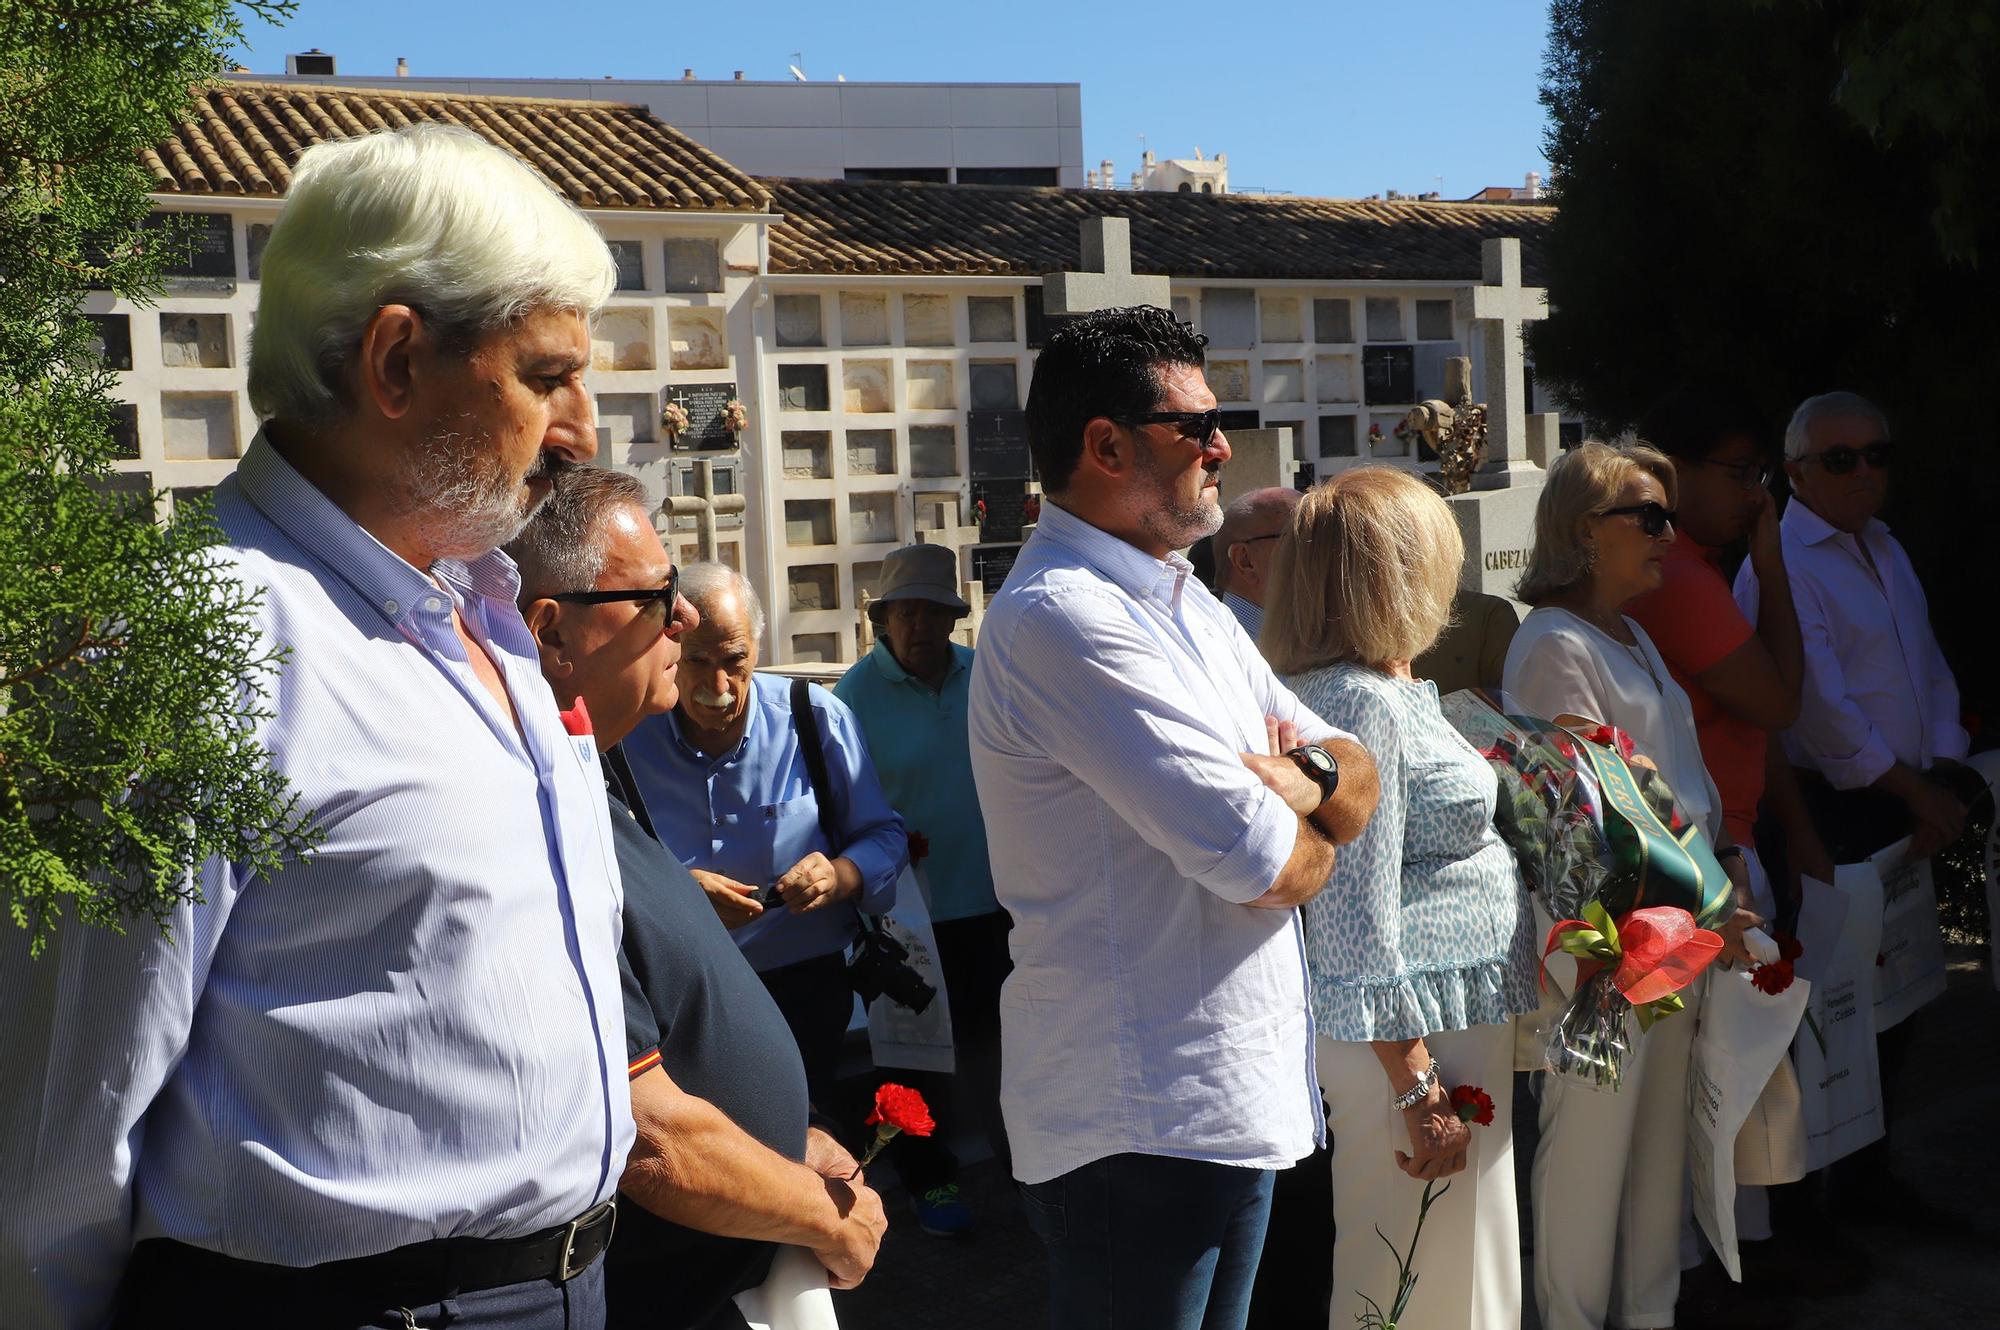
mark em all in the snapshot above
pixel 1317 763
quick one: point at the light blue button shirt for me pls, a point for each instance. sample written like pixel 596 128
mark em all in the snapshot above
pixel 1151 1010
pixel 415 1033
pixel 922 753
pixel 750 814
pixel 1248 613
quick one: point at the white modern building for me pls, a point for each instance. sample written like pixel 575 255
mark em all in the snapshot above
pixel 945 133
pixel 880 335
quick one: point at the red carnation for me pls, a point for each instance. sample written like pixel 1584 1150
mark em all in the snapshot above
pixel 1473 1105
pixel 897 1108
pixel 920 848
pixel 903 1109
pixel 1773 978
pixel 576 721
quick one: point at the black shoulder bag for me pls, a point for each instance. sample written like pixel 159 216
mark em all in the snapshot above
pixel 880 964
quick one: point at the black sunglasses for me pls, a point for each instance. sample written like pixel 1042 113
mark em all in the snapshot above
pixel 1745 474
pixel 1197 427
pixel 1654 519
pixel 660 598
pixel 1841 460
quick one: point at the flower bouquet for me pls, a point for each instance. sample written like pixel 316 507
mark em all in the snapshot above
pixel 1611 856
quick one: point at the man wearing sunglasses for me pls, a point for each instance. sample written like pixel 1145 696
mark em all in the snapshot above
pixel 1157 805
pixel 718 1090
pixel 1251 525
pixel 1878 743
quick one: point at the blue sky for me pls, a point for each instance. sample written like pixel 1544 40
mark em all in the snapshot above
pixel 1338 98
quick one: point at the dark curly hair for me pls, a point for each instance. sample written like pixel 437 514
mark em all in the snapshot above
pixel 1690 423
pixel 1105 363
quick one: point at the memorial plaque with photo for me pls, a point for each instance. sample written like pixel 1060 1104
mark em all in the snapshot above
pixel 1389 375
pixel 1005 507
pixel 991 564
pixel 997 444
pixel 201 250
pixel 703 403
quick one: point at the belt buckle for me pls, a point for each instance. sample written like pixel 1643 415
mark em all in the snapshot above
pixel 589 1217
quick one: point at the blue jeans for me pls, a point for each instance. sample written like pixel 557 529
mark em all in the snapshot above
pixel 1144 1242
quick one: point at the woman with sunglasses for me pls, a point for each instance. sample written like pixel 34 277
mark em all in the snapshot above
pixel 1607 1181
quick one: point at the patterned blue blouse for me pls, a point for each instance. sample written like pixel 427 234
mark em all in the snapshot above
pixel 1425 925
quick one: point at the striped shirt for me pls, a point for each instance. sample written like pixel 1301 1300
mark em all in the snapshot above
pixel 415 1033
pixel 1151 1010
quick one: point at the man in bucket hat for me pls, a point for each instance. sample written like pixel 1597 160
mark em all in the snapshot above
pixel 909 694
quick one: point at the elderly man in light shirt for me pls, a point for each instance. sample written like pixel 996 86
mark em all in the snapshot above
pixel 1157 806
pixel 385 1084
pixel 1251 525
pixel 1877 744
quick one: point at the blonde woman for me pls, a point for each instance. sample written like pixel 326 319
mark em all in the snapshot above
pixel 1607 1179
pixel 1420 948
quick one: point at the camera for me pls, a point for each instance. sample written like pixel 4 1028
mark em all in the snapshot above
pixel 882 965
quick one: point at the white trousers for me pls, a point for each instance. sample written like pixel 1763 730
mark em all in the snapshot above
pixel 1607 1186
pixel 1470 1256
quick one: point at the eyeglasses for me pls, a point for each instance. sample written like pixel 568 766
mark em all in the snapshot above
pixel 1197 427
pixel 659 600
pixel 1746 474
pixel 1841 460
pixel 1653 518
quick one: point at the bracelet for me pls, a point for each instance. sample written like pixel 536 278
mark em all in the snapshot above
pixel 1416 1094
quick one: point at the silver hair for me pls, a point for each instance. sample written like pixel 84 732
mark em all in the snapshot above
pixel 430 216
pixel 1798 434
pixel 562 547
pixel 706 582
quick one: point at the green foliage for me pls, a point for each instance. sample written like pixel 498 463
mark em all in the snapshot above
pixel 130 676
pixel 1786 197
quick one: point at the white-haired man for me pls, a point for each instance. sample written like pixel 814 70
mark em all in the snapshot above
pixel 1877 745
pixel 383 1086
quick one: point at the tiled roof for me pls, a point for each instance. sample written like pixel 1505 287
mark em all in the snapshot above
pixel 243 138
pixel 879 227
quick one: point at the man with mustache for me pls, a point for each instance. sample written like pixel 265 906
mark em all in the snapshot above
pixel 1157 806
pixel 731 794
pixel 383 1085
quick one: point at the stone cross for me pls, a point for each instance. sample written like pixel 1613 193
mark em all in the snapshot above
pixel 704 505
pixel 1499 306
pixel 1108 281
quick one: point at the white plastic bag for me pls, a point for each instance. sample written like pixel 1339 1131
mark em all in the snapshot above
pixel 897 1036
pixel 794 1296
pixel 1988 766
pixel 1911 970
pixel 1840 1083
pixel 1742 1037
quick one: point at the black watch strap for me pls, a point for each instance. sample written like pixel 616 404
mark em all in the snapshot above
pixel 1316 762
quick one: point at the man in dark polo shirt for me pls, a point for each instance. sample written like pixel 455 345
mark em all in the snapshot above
pixel 726 1167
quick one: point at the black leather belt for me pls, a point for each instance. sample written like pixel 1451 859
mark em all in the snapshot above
pixel 423 1272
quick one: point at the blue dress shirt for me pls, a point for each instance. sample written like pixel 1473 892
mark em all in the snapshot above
pixel 750 815
pixel 924 758
pixel 414 1033
pixel 1152 1009
pixel 1248 613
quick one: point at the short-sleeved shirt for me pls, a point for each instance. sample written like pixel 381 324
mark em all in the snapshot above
pixel 1695 622
pixel 1425 926
pixel 923 757
pixel 1151 1010
pixel 695 1007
